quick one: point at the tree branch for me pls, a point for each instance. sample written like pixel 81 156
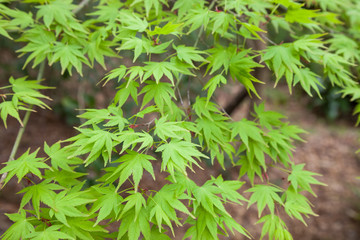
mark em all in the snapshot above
pixel 22 128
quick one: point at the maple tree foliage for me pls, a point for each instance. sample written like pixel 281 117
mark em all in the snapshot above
pixel 172 44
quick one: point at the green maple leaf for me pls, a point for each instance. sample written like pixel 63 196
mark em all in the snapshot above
pixel 49 233
pixel 112 116
pixel 205 109
pixel 296 204
pixel 308 80
pixel 189 54
pixel 132 138
pixel 268 119
pixel 162 94
pixel 220 56
pixel 138 44
pixel 213 84
pixel 83 228
pixel 58 10
pixel 165 130
pixel 163 206
pixel 96 142
pixel 207 199
pixel 69 55
pixel 135 72
pixel 337 69
pixel 110 201
pixel 60 157
pixel 184 6
pixel 212 130
pixel 250 168
pixel 26 163
pixel 253 29
pixel 41 192
pixel 149 4
pixel 275 227
pixel 107 12
pixel 311 47
pixel 301 179
pixel 21 227
pixel 247 130
pixel 118 73
pixel 159 69
pixel 125 90
pixel 40 43
pixel 178 155
pixel 20 18
pixel 228 189
pixel 132 163
pixel 28 92
pixel 9 108
pixel 3 26
pixel 132 21
pixel 241 67
pixel 134 223
pixel 134 202
pixel 65 204
pixel 97 48
pixel 264 195
pixel 345 46
pixel 300 15
pixel 221 21
pixel 284 61
pixel 196 18
pixel 168 28
pixel 65 178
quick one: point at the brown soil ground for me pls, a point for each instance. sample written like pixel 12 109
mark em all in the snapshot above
pixel 330 151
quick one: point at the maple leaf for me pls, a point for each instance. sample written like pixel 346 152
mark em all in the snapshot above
pixel 69 56
pixel 58 10
pixel 9 108
pixel 110 201
pixel 21 228
pixel 161 93
pixel 132 163
pixel 42 192
pixel 275 227
pixel 301 179
pixel 49 233
pixel 189 54
pixel 26 163
pixel 174 130
pixel 164 204
pixel 178 155
pixel 265 195
pixel 65 204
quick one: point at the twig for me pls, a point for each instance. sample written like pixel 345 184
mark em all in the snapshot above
pixel 80 6
pixel 22 128
pixel 181 101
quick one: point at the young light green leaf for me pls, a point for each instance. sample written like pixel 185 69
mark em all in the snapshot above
pixel 26 163
pixel 21 227
pixel 265 195
pixel 301 179
pixel 179 155
pixel 133 163
pixel 213 84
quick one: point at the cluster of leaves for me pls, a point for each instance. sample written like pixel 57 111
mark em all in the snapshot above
pixel 166 134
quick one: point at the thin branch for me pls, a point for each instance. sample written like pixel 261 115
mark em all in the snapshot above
pixel 22 128
pixel 80 6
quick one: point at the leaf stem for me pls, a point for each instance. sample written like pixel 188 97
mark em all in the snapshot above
pixel 22 128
